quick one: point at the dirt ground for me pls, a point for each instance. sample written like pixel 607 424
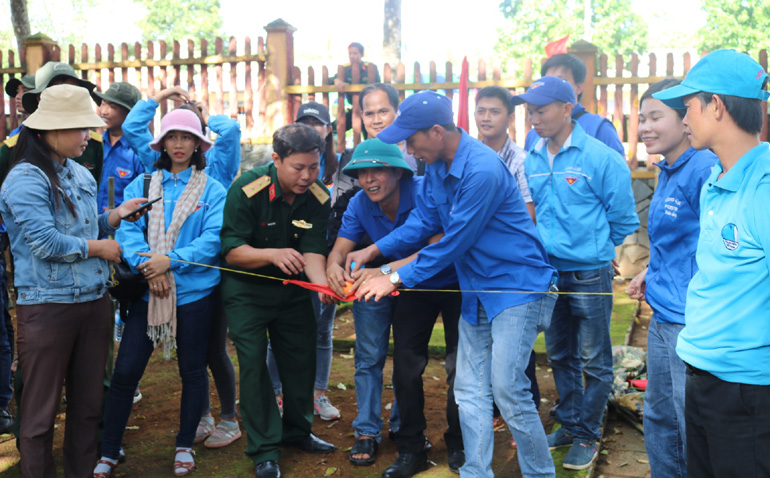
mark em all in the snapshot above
pixel 149 439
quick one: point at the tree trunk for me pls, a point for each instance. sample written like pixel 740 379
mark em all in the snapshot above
pixel 391 33
pixel 20 21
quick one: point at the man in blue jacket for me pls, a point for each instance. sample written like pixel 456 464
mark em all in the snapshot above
pixel 570 69
pixel 584 207
pixel 726 339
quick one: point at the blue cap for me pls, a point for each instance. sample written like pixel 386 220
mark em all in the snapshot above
pixel 723 72
pixel 545 91
pixel 421 110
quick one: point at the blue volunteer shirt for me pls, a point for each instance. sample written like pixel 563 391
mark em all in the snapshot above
pixel 594 125
pixel 728 301
pixel 673 227
pixel 584 206
pixel 489 235
pixel 121 163
pixel 364 216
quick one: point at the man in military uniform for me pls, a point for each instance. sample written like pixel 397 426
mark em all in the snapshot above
pixel 275 222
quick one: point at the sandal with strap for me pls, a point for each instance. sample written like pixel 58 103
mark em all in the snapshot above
pixel 364 446
pixel 105 474
pixel 187 467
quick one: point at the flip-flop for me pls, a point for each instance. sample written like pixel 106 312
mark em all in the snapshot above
pixel 364 446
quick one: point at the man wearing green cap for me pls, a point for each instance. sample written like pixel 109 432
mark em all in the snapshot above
pixel 726 340
pixel 50 74
pixel 390 193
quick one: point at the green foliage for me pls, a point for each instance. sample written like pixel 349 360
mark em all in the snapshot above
pixel 181 19
pixel 616 29
pixel 739 24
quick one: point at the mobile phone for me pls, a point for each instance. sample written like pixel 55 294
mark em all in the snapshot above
pixel 142 207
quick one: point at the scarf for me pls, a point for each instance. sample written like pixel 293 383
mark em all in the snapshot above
pixel 161 313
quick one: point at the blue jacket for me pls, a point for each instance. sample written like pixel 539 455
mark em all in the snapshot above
pixel 594 126
pixel 48 242
pixel 198 239
pixel 673 229
pixel 222 160
pixel 585 206
pixel 489 237
pixel 121 163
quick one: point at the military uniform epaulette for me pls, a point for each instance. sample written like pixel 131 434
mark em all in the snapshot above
pixel 11 142
pixel 96 136
pixel 257 185
pixel 319 193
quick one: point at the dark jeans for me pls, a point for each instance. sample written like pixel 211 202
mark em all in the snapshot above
pixel 220 364
pixel 728 427
pixel 192 336
pixel 415 315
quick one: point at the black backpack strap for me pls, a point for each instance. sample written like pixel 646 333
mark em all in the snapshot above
pixel 146 189
pixel 575 117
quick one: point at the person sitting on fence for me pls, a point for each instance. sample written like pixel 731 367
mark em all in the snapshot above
pixel 178 307
pixel 571 69
pixel 726 339
pixel 15 88
pixel 355 55
pixel 317 116
pixel 223 160
pixel 389 195
pixel 584 207
pixel 673 230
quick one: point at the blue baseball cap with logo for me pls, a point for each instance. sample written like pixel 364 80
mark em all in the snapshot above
pixel 722 72
pixel 419 111
pixel 545 91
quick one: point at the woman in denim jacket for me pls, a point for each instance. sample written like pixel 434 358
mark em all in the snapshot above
pixel 62 272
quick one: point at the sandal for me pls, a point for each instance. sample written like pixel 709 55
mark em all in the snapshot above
pixel 107 474
pixel 364 446
pixel 186 466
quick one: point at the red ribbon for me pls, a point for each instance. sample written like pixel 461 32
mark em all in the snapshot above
pixel 326 289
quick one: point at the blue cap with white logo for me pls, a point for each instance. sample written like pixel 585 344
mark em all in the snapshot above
pixel 722 72
pixel 545 91
pixel 421 110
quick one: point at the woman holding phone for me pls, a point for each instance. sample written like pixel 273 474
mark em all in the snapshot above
pixel 177 310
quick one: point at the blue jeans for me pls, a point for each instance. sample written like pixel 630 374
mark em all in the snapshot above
pixel 664 402
pixel 491 361
pixel 372 323
pixel 324 316
pixel 578 343
pixel 192 337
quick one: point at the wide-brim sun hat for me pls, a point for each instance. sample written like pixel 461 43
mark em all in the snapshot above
pixel 12 87
pixel 373 153
pixel 120 93
pixel 44 76
pixel 64 107
pixel 181 120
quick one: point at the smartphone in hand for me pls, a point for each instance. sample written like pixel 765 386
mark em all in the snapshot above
pixel 142 208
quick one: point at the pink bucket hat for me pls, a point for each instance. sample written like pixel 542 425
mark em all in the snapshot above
pixel 181 120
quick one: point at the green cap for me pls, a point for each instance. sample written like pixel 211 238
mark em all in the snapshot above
pixel 44 76
pixel 373 153
pixel 120 93
pixel 28 81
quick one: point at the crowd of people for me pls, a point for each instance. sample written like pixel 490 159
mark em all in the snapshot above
pixel 523 240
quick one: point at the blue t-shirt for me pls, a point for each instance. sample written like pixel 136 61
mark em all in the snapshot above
pixel 364 216
pixel 121 163
pixel 673 227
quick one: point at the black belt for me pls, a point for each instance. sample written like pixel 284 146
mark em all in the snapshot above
pixel 697 371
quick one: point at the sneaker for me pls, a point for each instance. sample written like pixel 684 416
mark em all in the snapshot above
pixel 558 439
pixel 582 455
pixel 137 395
pixel 279 402
pixel 205 428
pixel 223 435
pixel 324 408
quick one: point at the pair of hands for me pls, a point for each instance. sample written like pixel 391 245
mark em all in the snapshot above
pixel 176 93
pixel 154 270
pixel 367 283
pixel 292 262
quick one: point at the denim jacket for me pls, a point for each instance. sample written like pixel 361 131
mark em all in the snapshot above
pixel 48 242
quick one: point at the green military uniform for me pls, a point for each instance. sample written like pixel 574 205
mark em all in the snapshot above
pixel 257 215
pixel 92 158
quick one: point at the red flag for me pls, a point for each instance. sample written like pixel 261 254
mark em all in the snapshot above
pixel 325 289
pixel 462 112
pixel 556 47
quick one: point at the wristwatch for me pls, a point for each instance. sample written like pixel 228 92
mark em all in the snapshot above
pixel 385 269
pixel 395 279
